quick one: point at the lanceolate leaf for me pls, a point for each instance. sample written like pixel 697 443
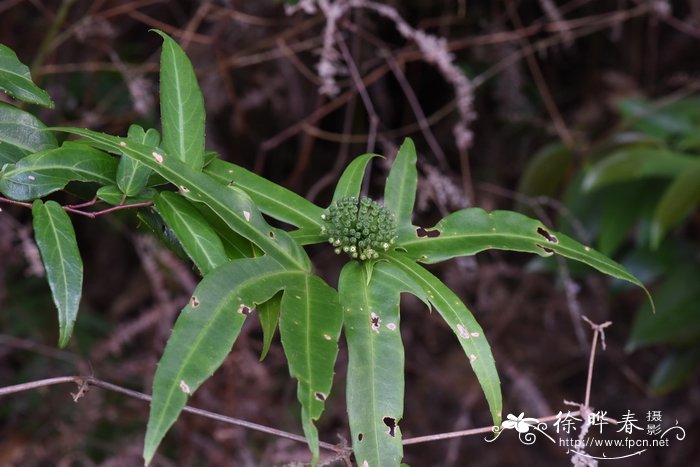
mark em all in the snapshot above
pixel 271 198
pixel 310 323
pixel 466 328
pixel 132 176
pixel 470 231
pixel 209 325
pixel 635 163
pixel 181 105
pixel 228 202
pixel 47 171
pixel 375 377
pixel 269 313
pixel 350 183
pixel 203 335
pixel 21 134
pixel 681 197
pixel 17 82
pixel 197 237
pixel 400 189
pixel 55 238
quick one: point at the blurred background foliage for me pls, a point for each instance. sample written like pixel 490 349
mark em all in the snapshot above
pixel 585 114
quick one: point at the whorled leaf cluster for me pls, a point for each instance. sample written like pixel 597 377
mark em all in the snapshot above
pixel 359 227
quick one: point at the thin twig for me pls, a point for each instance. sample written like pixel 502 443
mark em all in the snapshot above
pixel 83 381
pixel 597 329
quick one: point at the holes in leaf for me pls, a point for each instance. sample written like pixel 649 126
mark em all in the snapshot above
pixel 360 436
pixel 390 422
pixel 244 310
pixel 194 301
pixel 549 251
pixel 547 236
pixel 271 234
pixel 376 322
pixel 320 396
pixel 421 232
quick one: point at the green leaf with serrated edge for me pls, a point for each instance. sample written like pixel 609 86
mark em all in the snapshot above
pixel 132 176
pixel 681 197
pixel 181 105
pixel 203 335
pixel 400 189
pixel 635 163
pixel 472 230
pixel 111 194
pixel 197 237
pixel 310 323
pixel 230 203
pixel 209 325
pixel 269 314
pixel 350 182
pixel 55 238
pixel 375 375
pixel 21 134
pixel 468 331
pixel 47 171
pixel 272 199
pixel 16 80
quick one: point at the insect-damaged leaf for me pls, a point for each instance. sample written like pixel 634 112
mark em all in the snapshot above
pixel 375 377
pixel 181 105
pixel 47 171
pixel 209 325
pixel 17 82
pixel 231 204
pixel 310 323
pixel 55 238
pixel 21 134
pixel 463 324
pixel 472 230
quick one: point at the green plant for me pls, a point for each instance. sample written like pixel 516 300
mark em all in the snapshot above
pixel 213 211
pixel 636 195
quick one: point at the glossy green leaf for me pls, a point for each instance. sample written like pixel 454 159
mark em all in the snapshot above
pixel 635 163
pixel 676 319
pixel 467 330
pixel 16 80
pixel 203 335
pixel 375 376
pixel 310 324
pixel 675 369
pixel 181 105
pixel 55 238
pixel 197 237
pixel 47 171
pixel 132 176
pixel 269 313
pixel 235 245
pixel 350 182
pixel 271 198
pixel 472 230
pixel 234 207
pixel 111 194
pixel 209 325
pixel 151 221
pixel 21 134
pixel 400 189
pixel 681 197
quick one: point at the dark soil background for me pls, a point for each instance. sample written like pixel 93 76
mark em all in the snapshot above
pixel 257 69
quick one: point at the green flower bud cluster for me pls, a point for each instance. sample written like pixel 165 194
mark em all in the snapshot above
pixel 359 227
